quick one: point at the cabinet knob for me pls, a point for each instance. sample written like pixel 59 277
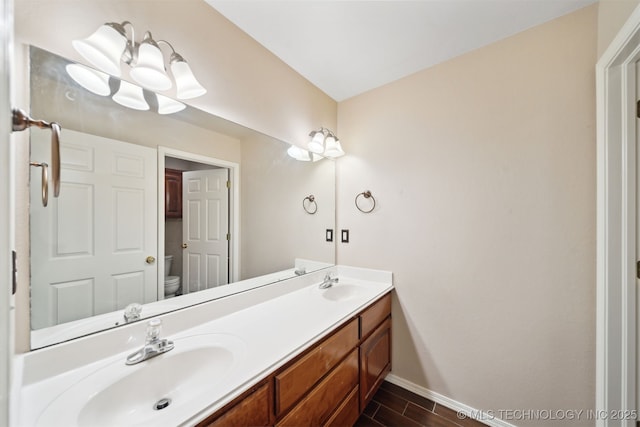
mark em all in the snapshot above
pixel 150 260
pixel 185 246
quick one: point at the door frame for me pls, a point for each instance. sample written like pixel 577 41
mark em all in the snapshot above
pixel 234 203
pixel 616 311
pixel 7 240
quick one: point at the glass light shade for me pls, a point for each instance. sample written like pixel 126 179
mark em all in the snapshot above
pixel 316 145
pixel 168 105
pixel 187 86
pixel 299 154
pixel 131 96
pixel 333 148
pixel 149 70
pixel 103 49
pixel 90 79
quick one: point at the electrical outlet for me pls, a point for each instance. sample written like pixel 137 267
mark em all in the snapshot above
pixel 329 235
pixel 345 236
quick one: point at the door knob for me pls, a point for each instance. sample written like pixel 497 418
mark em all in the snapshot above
pixel 150 260
pixel 185 246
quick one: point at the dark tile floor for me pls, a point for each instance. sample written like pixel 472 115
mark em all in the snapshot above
pixel 394 406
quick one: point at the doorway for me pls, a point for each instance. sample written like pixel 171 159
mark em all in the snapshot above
pixel 201 241
pixel 617 240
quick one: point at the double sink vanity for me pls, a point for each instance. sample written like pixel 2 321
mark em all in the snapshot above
pixel 291 353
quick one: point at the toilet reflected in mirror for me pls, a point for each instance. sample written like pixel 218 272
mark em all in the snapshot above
pixel 171 283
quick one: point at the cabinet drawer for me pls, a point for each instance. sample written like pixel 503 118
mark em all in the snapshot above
pixel 316 408
pixel 253 410
pixel 347 414
pixel 292 383
pixel 374 315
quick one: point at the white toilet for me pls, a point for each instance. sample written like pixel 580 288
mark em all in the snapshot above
pixel 171 283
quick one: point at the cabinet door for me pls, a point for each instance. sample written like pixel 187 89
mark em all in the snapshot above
pixel 253 410
pixel 172 193
pixel 375 361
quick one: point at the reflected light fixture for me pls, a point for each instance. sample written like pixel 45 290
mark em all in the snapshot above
pixel 302 154
pixel 325 143
pixel 110 45
pixel 169 106
pixel 130 95
pixel 92 80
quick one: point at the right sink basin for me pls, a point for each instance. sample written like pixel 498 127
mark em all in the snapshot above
pixel 341 291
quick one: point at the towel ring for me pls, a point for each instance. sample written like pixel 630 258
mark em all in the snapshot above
pixel 311 205
pixel 367 195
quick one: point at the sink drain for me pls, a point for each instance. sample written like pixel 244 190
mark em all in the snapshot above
pixel 161 404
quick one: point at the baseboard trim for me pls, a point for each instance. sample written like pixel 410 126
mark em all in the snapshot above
pixel 438 398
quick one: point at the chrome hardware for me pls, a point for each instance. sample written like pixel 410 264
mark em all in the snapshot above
pixel 45 181
pixel 132 312
pixel 153 347
pixel 21 121
pixel 311 207
pixel 367 195
pixel 185 246
pixel 328 281
pixel 150 260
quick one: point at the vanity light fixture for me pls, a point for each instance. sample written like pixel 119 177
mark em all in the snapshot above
pixel 325 143
pixel 109 45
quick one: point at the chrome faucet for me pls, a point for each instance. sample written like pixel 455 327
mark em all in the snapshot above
pixel 328 281
pixel 132 312
pixel 153 345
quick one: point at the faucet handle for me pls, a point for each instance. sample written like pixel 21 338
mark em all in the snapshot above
pixel 132 312
pixel 154 327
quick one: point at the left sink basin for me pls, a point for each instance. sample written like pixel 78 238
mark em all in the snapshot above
pixel 149 393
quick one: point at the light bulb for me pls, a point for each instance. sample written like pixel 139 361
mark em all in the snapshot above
pixel 130 96
pixel 90 79
pixel 103 49
pixel 149 69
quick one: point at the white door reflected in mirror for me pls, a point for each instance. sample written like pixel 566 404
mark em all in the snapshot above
pixel 92 245
pixel 205 226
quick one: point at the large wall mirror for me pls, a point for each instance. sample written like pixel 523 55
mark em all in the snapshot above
pixel 163 210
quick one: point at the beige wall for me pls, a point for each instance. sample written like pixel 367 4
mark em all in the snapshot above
pixel 612 14
pixel 484 172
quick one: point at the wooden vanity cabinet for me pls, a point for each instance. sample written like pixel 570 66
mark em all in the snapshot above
pixel 172 193
pixel 253 408
pixel 294 380
pixel 328 385
pixel 322 401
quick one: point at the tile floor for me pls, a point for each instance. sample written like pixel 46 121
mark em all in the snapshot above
pixel 394 406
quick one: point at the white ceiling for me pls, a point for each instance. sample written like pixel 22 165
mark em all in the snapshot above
pixel 349 47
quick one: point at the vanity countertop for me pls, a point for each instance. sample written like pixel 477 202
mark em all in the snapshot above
pixel 268 334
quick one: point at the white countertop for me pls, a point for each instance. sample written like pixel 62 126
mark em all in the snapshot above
pixel 274 326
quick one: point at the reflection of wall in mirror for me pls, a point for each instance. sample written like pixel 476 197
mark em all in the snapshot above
pixel 275 227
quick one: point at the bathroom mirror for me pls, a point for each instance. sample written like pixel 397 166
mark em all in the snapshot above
pixel 102 244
